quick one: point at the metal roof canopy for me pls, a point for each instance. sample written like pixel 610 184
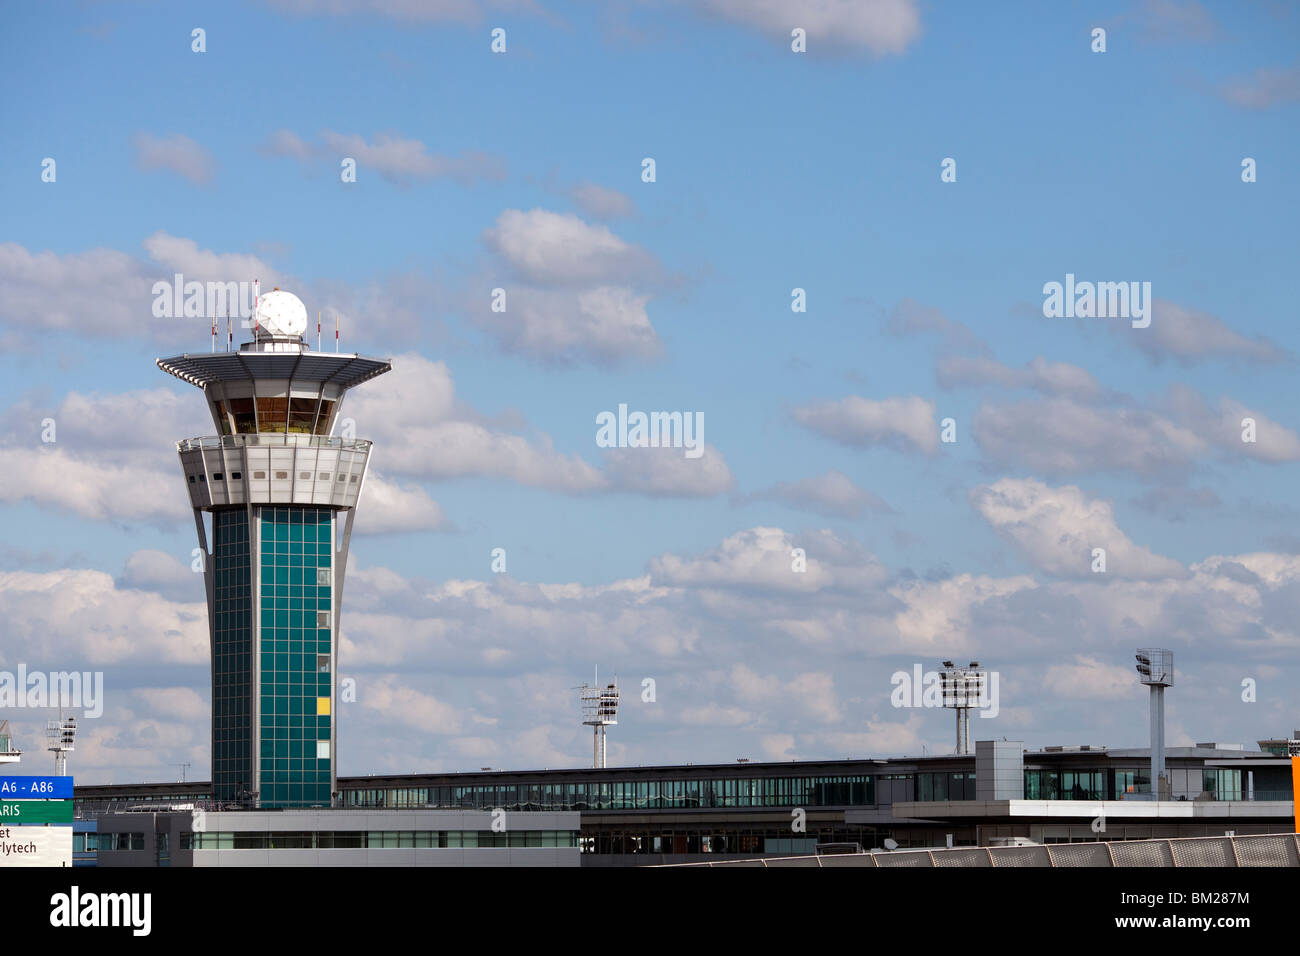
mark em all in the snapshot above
pixel 206 368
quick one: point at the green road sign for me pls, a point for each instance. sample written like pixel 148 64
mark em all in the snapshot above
pixel 14 812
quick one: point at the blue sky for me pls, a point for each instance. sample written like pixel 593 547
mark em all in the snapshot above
pixel 774 170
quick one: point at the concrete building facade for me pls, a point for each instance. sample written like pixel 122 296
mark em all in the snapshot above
pixel 199 838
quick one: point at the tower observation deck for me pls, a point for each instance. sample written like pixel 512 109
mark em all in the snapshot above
pixel 279 492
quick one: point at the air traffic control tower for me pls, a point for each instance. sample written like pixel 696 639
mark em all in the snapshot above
pixel 281 492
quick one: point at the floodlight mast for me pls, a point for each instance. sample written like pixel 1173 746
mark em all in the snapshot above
pixel 963 688
pixel 599 710
pixel 1155 667
pixel 61 736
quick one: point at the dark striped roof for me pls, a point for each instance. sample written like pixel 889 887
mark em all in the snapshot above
pixel 206 368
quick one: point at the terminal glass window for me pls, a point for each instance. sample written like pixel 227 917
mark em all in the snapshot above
pixel 1132 781
pixel 1042 784
pixel 1083 784
pixel 945 786
pixel 1222 784
pixel 294 769
pixel 232 769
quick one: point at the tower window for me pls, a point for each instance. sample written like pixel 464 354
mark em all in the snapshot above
pixel 216 476
pixel 282 474
pixel 241 410
pixel 305 475
pixel 259 475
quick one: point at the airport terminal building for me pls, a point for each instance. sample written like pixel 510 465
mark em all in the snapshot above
pixel 632 816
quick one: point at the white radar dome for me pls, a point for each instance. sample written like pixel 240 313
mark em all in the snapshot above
pixel 281 313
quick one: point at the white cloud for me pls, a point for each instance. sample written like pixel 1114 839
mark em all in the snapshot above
pixel 904 423
pixel 99 292
pixel 667 472
pixel 150 570
pixel 936 616
pixel 601 202
pixel 833 494
pixel 104 292
pixel 714 715
pixel 1174 21
pixel 1053 378
pixel 396 159
pixel 881 737
pixel 1088 678
pixel 1190 335
pixel 576 292
pixel 179 703
pixel 176 153
pixel 463 11
pixel 710 627
pixel 812 693
pixel 878 26
pixel 556 248
pixel 108 424
pixel 72 618
pixel 778 746
pixel 1263 89
pixel 1059 435
pixel 400 159
pixel 177 254
pixel 396 702
pixel 604 324
pixel 1058 528
pixel 106 467
pixel 91 487
pixel 761 558
pixel 285 142
pixel 910 317
pixel 1222 427
pixel 388 507
pixel 421 430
